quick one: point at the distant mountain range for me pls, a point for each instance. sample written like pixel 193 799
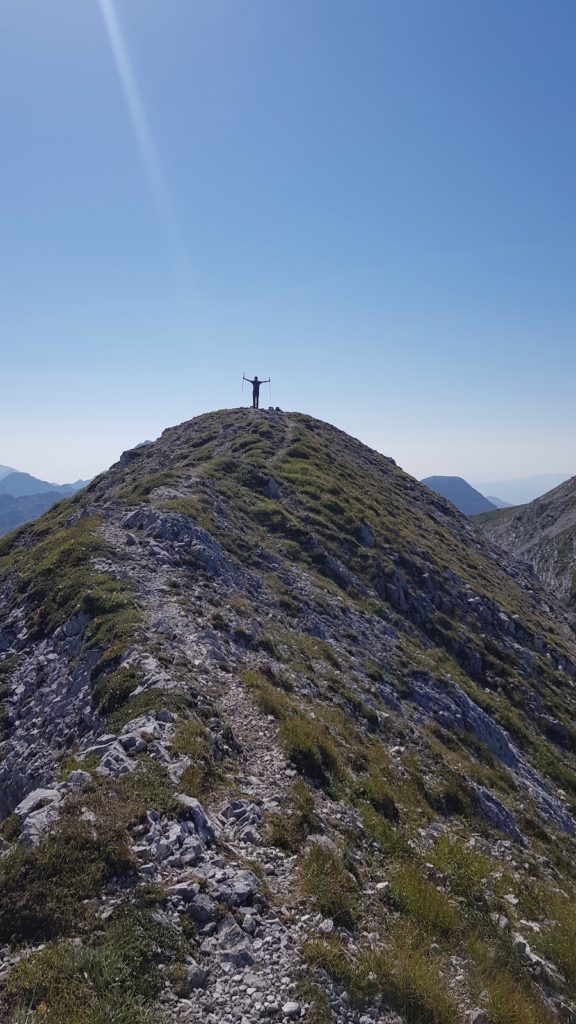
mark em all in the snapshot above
pixel 474 499
pixel 518 491
pixel 470 501
pixel 23 497
pixel 20 484
pixel 498 502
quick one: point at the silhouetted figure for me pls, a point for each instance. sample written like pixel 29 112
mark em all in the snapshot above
pixel 256 390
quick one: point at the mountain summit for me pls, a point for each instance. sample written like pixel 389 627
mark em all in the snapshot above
pixel 457 490
pixel 282 739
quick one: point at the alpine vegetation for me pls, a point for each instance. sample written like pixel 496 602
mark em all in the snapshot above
pixel 282 739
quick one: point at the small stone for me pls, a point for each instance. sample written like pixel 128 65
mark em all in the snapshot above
pixel 291 1010
pixel 78 778
pixel 327 925
pixel 476 1016
pixel 511 899
pixel 521 947
pixel 195 975
pixel 499 920
pixel 200 909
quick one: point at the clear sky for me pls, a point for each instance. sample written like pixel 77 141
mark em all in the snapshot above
pixel 370 201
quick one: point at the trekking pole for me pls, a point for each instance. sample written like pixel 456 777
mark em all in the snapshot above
pixel 242 386
pixel 270 389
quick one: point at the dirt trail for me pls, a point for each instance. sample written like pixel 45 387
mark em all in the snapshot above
pixel 263 772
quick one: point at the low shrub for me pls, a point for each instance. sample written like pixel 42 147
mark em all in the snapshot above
pixel 11 828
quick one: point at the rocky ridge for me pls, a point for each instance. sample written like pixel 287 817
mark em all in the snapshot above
pixel 543 534
pixel 283 724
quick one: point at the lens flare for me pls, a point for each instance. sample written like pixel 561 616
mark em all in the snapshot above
pixel 146 143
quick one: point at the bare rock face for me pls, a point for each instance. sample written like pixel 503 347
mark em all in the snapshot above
pixel 282 738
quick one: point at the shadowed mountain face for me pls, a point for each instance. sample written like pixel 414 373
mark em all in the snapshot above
pixel 278 720
pixel 460 493
pixel 17 511
pixel 4 470
pixel 543 533
pixel 24 497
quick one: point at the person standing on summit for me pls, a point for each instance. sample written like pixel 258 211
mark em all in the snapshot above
pixel 256 390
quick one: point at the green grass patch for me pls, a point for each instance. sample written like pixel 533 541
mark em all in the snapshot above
pixel 43 889
pixel 269 699
pixel 107 981
pixel 467 868
pixel 325 880
pixel 113 689
pixel 510 1001
pixel 319 1009
pixel 310 747
pixel 428 907
pixel 290 828
pixel 193 740
pixel 373 787
pixel 157 698
pixel 557 940
pixel 52 562
pixel 401 972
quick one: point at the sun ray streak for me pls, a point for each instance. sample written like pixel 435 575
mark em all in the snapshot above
pixel 146 144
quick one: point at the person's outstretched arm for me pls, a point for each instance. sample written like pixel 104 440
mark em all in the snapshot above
pixel 246 378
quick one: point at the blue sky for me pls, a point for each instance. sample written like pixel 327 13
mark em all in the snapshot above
pixel 373 202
